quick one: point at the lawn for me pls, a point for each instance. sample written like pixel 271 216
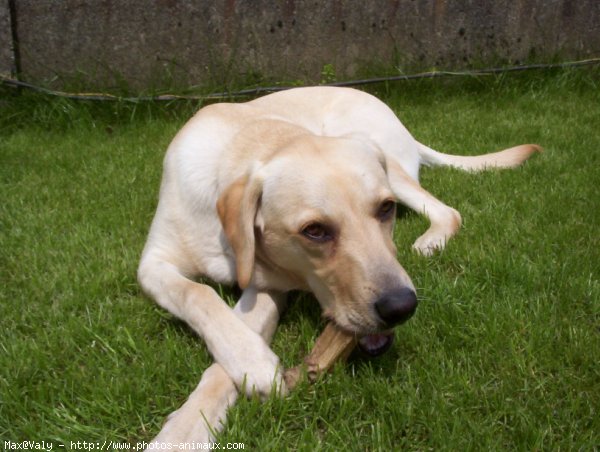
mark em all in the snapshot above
pixel 503 353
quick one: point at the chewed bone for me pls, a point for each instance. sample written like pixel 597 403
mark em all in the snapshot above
pixel 334 344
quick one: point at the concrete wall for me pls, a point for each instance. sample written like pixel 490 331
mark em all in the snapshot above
pixel 7 63
pixel 146 44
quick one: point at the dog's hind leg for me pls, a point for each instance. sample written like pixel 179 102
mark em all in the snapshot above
pixel 204 413
pixel 445 221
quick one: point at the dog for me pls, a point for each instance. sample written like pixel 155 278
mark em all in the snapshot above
pixel 296 190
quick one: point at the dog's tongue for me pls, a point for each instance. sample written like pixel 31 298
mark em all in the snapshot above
pixel 376 344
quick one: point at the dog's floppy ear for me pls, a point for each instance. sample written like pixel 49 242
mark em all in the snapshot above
pixel 237 207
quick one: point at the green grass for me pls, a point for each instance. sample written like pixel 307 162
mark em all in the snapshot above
pixel 502 355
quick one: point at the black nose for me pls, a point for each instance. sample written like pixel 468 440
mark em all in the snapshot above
pixel 396 306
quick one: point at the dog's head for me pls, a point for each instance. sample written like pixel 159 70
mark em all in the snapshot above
pixel 321 213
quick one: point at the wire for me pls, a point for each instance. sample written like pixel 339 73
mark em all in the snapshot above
pixel 271 89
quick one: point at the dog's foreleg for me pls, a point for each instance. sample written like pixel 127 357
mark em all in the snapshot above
pixel 204 413
pixel 244 355
pixel 445 221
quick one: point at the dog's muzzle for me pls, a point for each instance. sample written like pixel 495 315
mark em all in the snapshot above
pixel 396 306
pixel 393 308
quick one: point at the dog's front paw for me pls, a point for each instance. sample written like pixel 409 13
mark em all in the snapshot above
pixel 263 377
pixel 255 369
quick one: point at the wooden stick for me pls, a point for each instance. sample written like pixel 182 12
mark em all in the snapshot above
pixel 334 344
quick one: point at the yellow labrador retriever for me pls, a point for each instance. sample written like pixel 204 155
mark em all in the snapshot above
pixel 292 191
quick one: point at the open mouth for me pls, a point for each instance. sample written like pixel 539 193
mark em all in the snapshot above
pixel 376 344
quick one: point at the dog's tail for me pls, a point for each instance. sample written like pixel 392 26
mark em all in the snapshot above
pixel 508 158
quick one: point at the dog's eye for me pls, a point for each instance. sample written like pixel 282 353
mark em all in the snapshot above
pixel 317 232
pixel 386 210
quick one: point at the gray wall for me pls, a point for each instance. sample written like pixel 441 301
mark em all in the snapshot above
pixel 7 64
pixel 147 44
